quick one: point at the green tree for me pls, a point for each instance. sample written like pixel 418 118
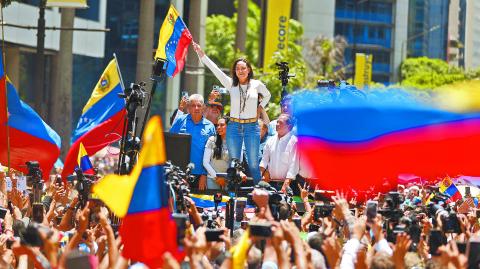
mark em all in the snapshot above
pixel 325 58
pixel 426 74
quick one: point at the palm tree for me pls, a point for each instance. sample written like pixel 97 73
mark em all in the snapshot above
pixel 325 57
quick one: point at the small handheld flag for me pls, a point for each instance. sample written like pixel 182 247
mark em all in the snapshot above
pixel 84 161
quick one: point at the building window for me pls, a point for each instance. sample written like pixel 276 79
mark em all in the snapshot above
pixel 91 13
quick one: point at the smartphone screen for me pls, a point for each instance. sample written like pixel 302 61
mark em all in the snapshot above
pixel 181 221
pixel 37 212
pixel 371 211
pixel 240 208
pixel 213 235
pixel 261 230
pixel 435 241
pixel 298 223
pixel 473 252
pixel 3 212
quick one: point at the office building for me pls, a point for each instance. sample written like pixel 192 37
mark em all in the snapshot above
pixel 376 27
pixel 21 43
pixel 428 22
pixel 470 33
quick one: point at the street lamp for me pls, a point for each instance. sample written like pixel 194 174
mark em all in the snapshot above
pixel 405 42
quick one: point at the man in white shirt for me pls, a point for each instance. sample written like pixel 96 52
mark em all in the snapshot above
pixel 280 160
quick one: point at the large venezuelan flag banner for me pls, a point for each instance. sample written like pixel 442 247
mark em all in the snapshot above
pixel 141 199
pixel 102 118
pixel 360 142
pixel 31 139
pixel 173 42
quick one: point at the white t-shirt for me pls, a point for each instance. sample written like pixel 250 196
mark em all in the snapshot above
pixel 252 89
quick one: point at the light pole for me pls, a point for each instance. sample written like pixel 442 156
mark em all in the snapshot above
pixel 405 42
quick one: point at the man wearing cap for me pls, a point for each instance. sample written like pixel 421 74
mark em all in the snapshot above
pixel 214 111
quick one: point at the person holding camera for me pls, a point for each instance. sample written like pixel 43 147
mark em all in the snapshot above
pixel 244 97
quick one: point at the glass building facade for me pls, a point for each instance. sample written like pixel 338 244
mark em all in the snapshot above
pixel 122 19
pixel 368 27
pixel 428 28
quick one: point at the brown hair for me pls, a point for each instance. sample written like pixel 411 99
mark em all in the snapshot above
pixel 234 74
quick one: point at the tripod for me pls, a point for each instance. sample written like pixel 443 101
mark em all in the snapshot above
pixel 135 97
pixel 284 76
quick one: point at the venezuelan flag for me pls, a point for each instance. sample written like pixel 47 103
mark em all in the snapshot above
pixel 102 118
pixel 173 42
pixel 362 141
pixel 141 199
pixel 448 187
pixel 84 161
pixel 30 137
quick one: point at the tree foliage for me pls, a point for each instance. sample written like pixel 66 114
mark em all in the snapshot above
pixel 325 58
pixel 424 73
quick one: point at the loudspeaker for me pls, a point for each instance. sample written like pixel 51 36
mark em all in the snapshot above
pixel 178 148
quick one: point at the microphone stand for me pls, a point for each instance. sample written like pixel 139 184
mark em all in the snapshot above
pixel 158 75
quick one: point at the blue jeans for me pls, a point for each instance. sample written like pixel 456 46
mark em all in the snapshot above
pixel 248 133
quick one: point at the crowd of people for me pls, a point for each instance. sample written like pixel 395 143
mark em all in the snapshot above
pixel 413 227
pixel 58 224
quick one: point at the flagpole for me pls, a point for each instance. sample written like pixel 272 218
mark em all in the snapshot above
pixel 6 94
pixel 118 70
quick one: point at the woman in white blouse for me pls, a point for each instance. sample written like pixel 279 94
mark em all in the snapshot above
pixel 244 95
pixel 215 156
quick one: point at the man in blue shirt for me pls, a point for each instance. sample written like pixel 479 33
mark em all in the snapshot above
pixel 200 129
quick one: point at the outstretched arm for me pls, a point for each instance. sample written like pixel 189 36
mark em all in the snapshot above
pixel 219 74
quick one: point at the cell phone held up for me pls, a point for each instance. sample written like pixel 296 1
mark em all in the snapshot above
pixel 3 212
pixel 261 229
pixel 213 235
pixel 371 211
pixel 37 212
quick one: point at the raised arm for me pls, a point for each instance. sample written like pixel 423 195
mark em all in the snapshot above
pixel 224 79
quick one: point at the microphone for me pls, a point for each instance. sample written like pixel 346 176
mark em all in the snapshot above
pixel 189 169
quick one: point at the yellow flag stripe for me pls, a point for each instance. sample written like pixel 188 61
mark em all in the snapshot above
pixel 107 82
pixel 116 191
pixel 166 31
pixel 81 152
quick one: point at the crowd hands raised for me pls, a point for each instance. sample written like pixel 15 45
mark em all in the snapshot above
pixel 332 232
pixel 339 232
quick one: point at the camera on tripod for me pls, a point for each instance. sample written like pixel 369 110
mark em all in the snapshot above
pixel 392 209
pixel 84 186
pixel 177 180
pixel 34 172
pixel 283 73
pixel 135 95
pixel 34 180
pixel 233 174
pixel 279 202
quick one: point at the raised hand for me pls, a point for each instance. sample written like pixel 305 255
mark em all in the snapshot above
pixel 332 250
pixel 198 49
pixel 401 247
